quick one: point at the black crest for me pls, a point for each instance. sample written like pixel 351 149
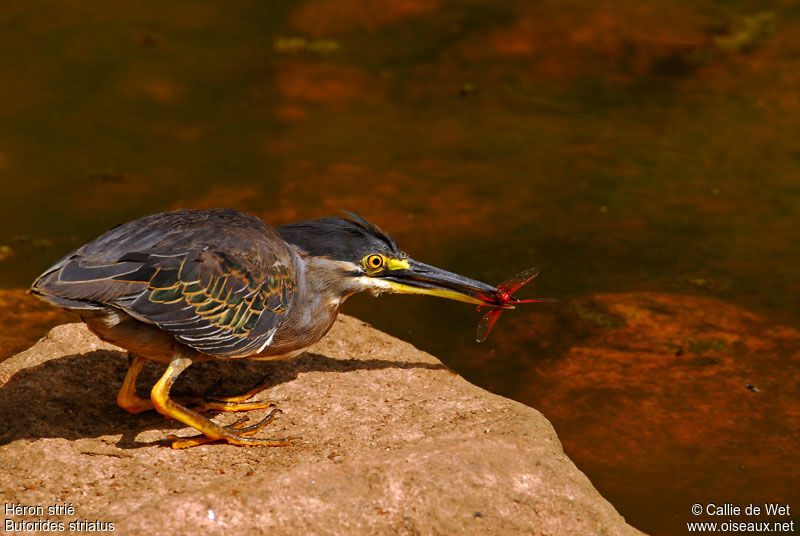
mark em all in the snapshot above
pixel 340 238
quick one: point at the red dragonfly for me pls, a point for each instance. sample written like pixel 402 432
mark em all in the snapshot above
pixel 503 299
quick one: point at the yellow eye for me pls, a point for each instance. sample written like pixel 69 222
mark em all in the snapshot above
pixel 374 262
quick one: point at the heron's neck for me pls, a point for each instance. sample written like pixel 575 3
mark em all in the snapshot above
pixel 333 280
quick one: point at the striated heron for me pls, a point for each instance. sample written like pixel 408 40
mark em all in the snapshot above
pixel 194 285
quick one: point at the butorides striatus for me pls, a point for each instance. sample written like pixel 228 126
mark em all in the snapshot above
pixel 194 285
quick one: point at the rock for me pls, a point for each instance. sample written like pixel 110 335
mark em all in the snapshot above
pixel 390 441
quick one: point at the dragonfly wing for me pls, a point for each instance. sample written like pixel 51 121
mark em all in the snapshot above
pixel 486 323
pixel 511 285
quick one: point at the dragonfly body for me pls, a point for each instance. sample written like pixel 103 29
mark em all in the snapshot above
pixel 502 299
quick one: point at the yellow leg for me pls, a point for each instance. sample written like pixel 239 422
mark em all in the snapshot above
pixel 166 406
pixel 238 426
pixel 127 398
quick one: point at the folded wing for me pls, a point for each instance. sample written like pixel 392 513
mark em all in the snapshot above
pixel 219 281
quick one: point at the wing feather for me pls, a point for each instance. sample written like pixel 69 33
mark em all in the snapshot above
pixel 218 281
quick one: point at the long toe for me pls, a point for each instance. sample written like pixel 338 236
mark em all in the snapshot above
pixel 235 434
pixel 259 386
pixel 239 402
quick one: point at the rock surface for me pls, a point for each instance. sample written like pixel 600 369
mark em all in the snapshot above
pixel 391 442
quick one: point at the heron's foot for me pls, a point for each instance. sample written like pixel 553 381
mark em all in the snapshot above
pixel 259 386
pixel 241 402
pixel 127 398
pixel 133 403
pixel 235 434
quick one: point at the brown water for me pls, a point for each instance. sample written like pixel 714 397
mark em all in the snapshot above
pixel 622 147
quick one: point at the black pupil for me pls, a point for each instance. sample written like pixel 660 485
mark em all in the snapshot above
pixel 375 262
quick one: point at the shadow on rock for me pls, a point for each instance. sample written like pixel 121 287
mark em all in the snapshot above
pixel 74 396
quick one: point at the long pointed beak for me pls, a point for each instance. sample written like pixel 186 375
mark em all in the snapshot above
pixel 422 278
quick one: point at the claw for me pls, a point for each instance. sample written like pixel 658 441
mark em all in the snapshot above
pixel 239 402
pixel 213 390
pixel 242 431
pixel 235 434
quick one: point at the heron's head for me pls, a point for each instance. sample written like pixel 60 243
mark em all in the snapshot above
pixel 361 257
